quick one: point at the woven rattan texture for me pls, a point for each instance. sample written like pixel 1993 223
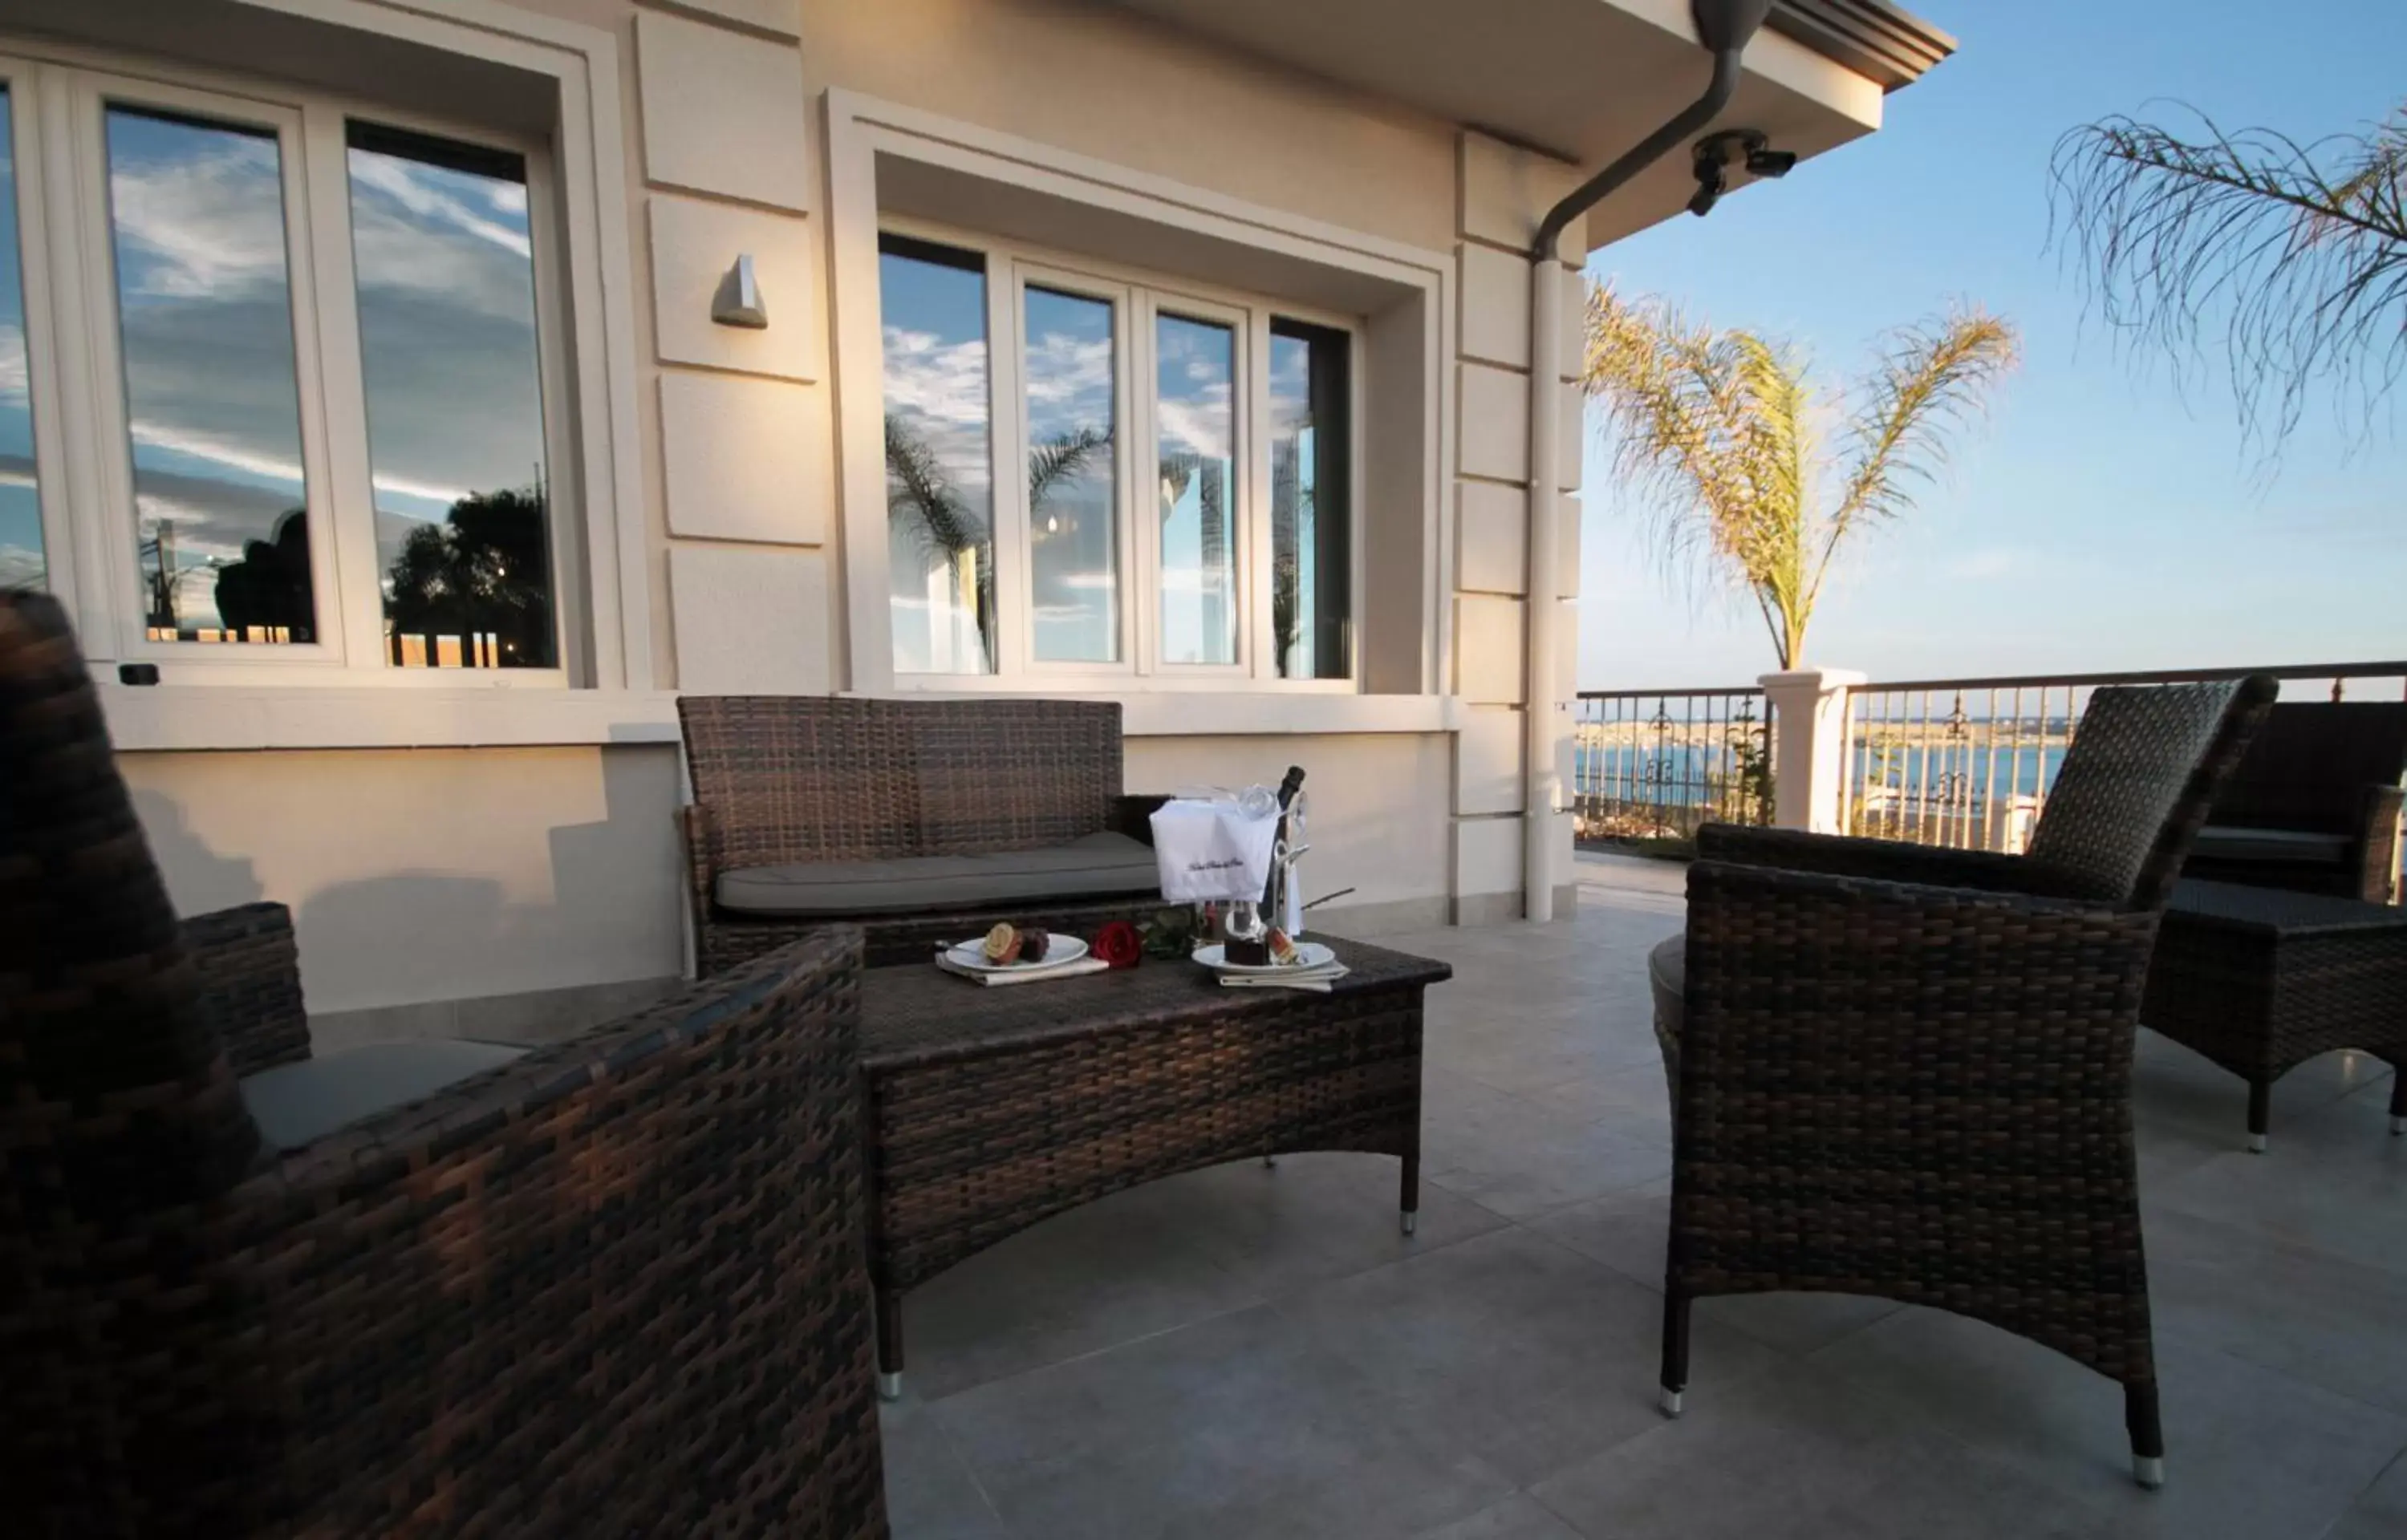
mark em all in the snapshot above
pixel 2136 784
pixel 992 1108
pixel 2260 981
pixel 781 779
pixel 251 984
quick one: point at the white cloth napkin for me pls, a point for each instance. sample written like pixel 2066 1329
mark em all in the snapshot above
pixel 1312 980
pixel 1024 975
pixel 1213 852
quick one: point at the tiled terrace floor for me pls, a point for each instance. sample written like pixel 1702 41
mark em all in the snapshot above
pixel 1252 1353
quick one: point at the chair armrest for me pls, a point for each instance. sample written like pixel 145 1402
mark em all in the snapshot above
pixel 644 1240
pixel 1881 860
pixel 1132 815
pixel 2378 842
pixel 694 823
pixel 1866 1006
pixel 251 984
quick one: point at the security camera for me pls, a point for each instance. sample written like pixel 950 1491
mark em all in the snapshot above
pixel 1716 153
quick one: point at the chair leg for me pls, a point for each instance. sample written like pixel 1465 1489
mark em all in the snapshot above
pixel 2147 1435
pixel 1408 1204
pixel 2260 1114
pixel 1676 1352
pixel 889 1344
pixel 2398 1101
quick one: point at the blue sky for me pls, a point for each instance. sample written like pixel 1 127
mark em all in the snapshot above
pixel 2096 521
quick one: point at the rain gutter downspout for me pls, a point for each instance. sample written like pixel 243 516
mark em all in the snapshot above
pixel 1724 27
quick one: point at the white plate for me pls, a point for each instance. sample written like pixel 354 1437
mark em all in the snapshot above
pixel 1307 954
pixel 972 956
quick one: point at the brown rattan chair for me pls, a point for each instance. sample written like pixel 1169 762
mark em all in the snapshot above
pixel 798 781
pixel 1906 1072
pixel 2315 805
pixel 615 1287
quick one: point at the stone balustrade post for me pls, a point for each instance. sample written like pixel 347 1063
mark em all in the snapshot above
pixel 1810 746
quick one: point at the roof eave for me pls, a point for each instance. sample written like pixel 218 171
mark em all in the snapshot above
pixel 1872 37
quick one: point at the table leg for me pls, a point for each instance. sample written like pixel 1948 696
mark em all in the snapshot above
pixel 889 1344
pixel 1411 1199
pixel 2260 1114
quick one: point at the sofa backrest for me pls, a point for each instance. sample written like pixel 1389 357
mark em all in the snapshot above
pixel 2311 764
pixel 816 778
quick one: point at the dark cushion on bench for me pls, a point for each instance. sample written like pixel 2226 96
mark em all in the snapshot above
pixel 296 1104
pixel 2223 842
pixel 1092 866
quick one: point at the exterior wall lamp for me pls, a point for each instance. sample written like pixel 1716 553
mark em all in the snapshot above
pixel 738 300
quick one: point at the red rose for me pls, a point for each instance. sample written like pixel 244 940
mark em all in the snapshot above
pixel 1120 945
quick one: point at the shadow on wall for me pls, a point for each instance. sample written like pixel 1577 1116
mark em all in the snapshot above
pixel 199 878
pixel 416 933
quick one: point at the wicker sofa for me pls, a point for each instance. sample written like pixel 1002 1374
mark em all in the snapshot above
pixel 917 820
pixel 612 1286
pixel 1906 1072
pixel 2316 805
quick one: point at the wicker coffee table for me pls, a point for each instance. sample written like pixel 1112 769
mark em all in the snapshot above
pixel 990 1110
pixel 2260 981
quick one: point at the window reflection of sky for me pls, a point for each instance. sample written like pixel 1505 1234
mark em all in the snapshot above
pixel 206 319
pixel 446 309
pixel 934 318
pixel 21 562
pixel 1195 423
pixel 1073 561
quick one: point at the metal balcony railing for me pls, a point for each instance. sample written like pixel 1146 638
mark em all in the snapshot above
pixel 1649 766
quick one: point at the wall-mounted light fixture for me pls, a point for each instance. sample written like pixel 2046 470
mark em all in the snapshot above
pixel 738 300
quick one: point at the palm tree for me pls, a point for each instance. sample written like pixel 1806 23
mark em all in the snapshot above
pixel 1724 434
pixel 2295 254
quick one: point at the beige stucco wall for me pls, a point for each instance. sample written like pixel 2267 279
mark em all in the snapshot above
pixel 432 874
pixel 471 875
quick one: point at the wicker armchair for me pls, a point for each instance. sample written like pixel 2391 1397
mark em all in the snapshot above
pixel 798 781
pixel 2315 805
pixel 615 1287
pixel 1906 1072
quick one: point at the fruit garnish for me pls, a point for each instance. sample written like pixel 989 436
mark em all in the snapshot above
pixel 1283 951
pixel 1033 943
pixel 1002 945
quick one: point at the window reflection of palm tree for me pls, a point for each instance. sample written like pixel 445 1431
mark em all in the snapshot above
pixel 923 497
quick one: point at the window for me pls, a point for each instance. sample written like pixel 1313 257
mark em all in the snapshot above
pixel 1180 504
pixel 325 420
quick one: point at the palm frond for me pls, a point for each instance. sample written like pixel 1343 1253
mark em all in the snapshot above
pixel 916 483
pixel 1061 457
pixel 1931 376
pixel 2294 256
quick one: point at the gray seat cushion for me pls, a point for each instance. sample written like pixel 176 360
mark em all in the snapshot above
pixel 294 1104
pixel 2223 842
pixel 1095 866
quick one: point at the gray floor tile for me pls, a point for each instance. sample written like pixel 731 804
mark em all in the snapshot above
pixel 929 1494
pixel 2250 1454
pixel 1313 1217
pixel 1627 1231
pixel 1531 1354
pixel 2334 1180
pixel 1239 1426
pixel 2325 1319
pixel 2380 1514
pixel 1112 1272
pixel 1800 1454
pixel 1519 1517
pixel 2172 1087
pixel 1508 1154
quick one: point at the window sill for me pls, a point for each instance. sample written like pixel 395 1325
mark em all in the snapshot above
pixel 163 718
pixel 1247 714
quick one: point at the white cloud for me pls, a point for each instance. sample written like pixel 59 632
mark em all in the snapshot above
pixel 21 568
pixel 15 381
pixel 202 225
pixel 935 379
pixel 419 189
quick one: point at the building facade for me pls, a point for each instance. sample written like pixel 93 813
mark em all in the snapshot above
pixel 411 397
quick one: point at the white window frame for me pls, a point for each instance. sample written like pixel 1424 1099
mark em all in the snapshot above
pixel 1138 297
pixel 59 94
